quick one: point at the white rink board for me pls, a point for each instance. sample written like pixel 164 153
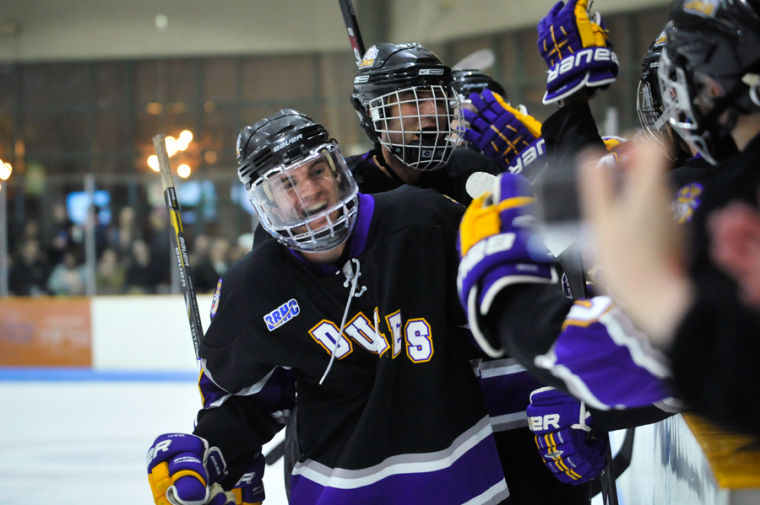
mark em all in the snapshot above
pixel 144 332
pixel 84 443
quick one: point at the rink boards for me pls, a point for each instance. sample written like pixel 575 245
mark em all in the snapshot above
pixel 681 460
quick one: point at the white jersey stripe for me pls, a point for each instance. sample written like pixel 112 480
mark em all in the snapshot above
pixel 341 478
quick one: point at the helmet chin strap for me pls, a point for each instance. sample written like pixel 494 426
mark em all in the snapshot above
pixel 380 159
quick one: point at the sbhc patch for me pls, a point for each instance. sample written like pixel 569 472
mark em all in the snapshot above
pixel 282 314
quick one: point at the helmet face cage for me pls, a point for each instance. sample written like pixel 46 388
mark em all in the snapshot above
pixel 310 204
pixel 679 94
pixel 652 116
pixel 416 124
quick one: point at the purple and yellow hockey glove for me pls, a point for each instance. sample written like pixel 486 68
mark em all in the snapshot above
pixel 249 489
pixel 567 444
pixel 507 135
pixel 184 470
pixel 499 248
pixel 576 50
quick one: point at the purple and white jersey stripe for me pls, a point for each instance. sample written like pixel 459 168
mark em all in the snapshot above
pixel 605 360
pixel 506 387
pixel 273 391
pixel 463 473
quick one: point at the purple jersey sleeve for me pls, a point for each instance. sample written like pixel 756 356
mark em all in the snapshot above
pixel 604 360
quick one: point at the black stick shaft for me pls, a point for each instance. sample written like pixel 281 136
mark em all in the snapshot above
pixel 180 245
pixel 352 27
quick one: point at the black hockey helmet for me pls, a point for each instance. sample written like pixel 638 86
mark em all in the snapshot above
pixel 711 42
pixel 467 81
pixel 394 75
pixel 297 181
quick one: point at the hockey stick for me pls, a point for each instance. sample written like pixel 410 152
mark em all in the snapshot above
pixel 482 59
pixel 180 246
pixel 352 27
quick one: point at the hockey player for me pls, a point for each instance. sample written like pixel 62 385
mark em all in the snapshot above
pixel 403 96
pixel 468 81
pixel 389 408
pixel 509 287
pixel 710 80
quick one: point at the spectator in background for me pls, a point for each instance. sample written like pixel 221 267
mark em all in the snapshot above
pixel 242 246
pixel 161 250
pixel 139 278
pixel 126 232
pixel 205 276
pixel 219 255
pixel 111 274
pixel 68 277
pixel 61 238
pixel 59 243
pixel 29 270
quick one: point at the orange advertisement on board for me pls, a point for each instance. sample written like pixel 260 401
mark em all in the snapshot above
pixel 45 332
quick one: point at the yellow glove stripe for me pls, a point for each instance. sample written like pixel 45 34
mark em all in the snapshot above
pixel 552 447
pixel 561 463
pixel 187 473
pixel 556 47
pixel 592 35
pixel 239 497
pixel 481 221
pixel 532 124
pixel 611 143
pixel 516 201
pixel 159 481
pixel 477 223
pixel 505 139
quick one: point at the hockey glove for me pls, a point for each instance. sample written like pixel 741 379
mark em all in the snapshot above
pixel 507 135
pixel 568 446
pixel 499 248
pixel 249 489
pixel 182 469
pixel 576 50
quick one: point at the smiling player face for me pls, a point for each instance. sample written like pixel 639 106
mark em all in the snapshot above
pixel 304 191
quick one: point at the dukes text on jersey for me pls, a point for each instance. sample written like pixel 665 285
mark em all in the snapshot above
pixel 282 314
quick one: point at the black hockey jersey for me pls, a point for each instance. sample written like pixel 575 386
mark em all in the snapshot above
pixel 716 345
pixel 399 417
pixel 450 180
pixel 505 384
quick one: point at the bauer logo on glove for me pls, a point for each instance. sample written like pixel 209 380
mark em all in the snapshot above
pixel 182 469
pixel 576 50
pixel 566 442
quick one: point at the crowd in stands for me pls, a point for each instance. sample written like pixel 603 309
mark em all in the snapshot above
pixel 131 258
